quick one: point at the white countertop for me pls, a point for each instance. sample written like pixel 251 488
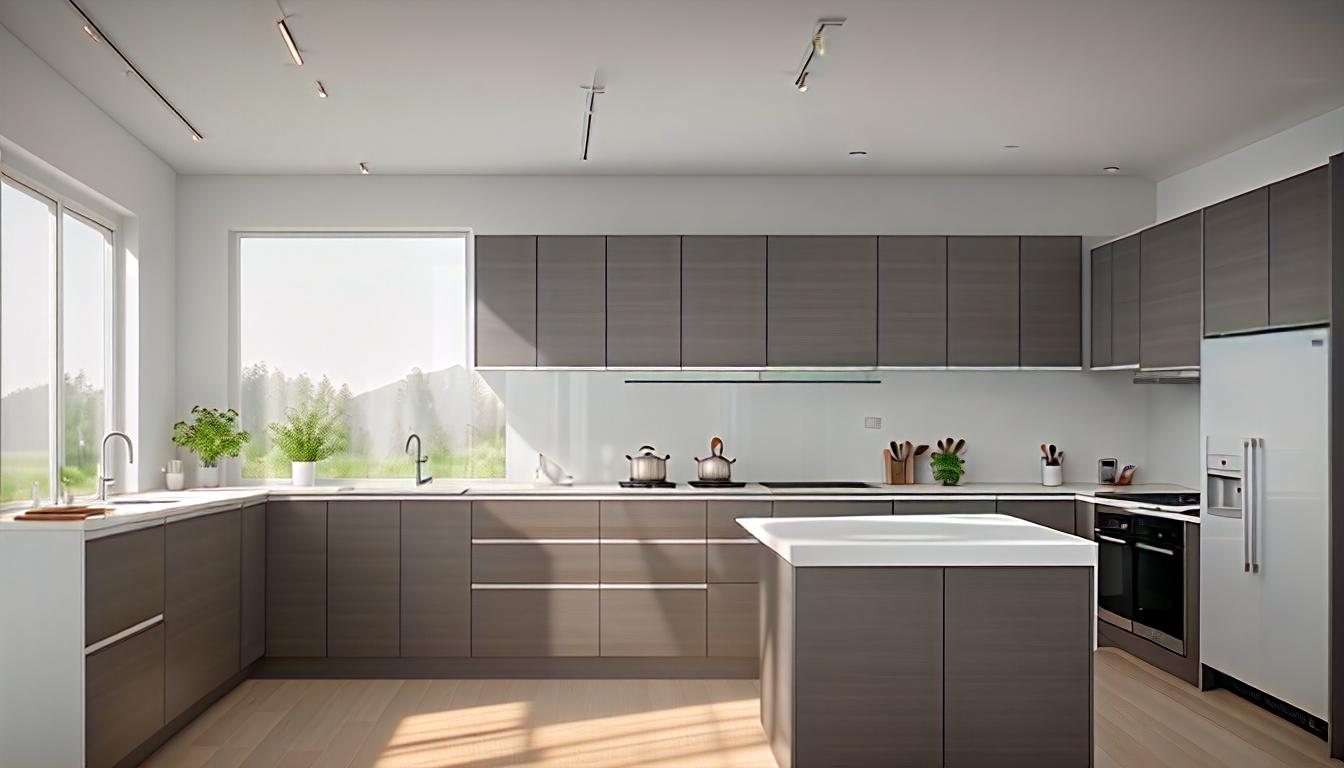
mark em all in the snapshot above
pixel 950 541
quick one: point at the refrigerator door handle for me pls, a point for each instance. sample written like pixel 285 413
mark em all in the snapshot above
pixel 1247 472
pixel 1254 523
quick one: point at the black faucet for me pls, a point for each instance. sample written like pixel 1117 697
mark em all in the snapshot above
pixel 419 460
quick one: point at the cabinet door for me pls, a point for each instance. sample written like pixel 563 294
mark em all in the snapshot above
pixel 723 301
pixel 253 618
pixel 524 562
pixel 296 578
pixel 652 519
pixel 534 622
pixel 123 697
pixel 1101 306
pixel 1170 278
pixel 982 301
pixel 653 622
pixel 1126 268
pixel 202 600
pixel 1299 249
pixel 822 301
pixel 733 620
pixel 644 301
pixel 829 508
pixel 912 301
pixel 534 519
pixel 650 563
pixel 1052 301
pixel 123 582
pixel 506 300
pixel 571 301
pixel 950 506
pixel 722 517
pixel 1051 514
pixel 1236 264
pixel 363 578
pixel 435 578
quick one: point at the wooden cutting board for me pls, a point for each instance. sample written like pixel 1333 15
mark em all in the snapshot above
pixel 81 512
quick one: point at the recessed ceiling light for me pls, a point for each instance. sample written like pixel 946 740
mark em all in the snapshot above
pixel 1012 146
pixel 321 90
pixel 289 42
pixel 1111 169
pixel 364 168
pixel 92 35
pixel 802 82
pixel 858 153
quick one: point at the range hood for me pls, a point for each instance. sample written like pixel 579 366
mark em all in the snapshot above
pixel 1168 376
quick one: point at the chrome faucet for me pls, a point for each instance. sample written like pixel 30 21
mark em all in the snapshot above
pixel 105 480
pixel 419 460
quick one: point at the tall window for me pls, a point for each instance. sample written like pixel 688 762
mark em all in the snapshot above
pixel 373 327
pixel 55 326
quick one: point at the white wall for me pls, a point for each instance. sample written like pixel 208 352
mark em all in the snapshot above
pixel 588 421
pixel 49 129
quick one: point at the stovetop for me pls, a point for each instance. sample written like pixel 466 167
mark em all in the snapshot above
pixel 648 484
pixel 823 484
pixel 1166 499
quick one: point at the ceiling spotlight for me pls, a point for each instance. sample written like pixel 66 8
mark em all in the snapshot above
pixel 589 106
pixel 801 83
pixel 364 169
pixel 858 153
pixel 816 46
pixel 321 90
pixel 289 42
pixel 196 137
pixel 1111 169
pixel 819 43
pixel 92 35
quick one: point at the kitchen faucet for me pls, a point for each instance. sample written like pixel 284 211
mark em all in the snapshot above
pixel 419 460
pixel 104 475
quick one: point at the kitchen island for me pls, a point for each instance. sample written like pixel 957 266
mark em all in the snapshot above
pixel 925 640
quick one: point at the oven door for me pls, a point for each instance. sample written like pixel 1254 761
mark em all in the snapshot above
pixel 1159 594
pixel 1115 580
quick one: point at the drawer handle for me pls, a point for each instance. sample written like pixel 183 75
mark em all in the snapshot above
pixel 122 635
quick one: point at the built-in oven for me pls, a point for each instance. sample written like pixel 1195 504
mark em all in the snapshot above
pixel 1141 575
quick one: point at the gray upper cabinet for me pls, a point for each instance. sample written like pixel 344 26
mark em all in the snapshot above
pixel 912 301
pixel 723 301
pixel 1170 278
pixel 822 301
pixel 1126 268
pixel 644 301
pixel 571 301
pixel 506 300
pixel 363 578
pixel 982 301
pixel 1101 306
pixel 1052 301
pixel 1299 249
pixel 1236 264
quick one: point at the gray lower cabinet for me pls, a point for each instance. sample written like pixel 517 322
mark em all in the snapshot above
pixel 252 643
pixel 296 578
pixel 653 622
pixel 1126 268
pixel 721 517
pixel 1041 619
pixel 1169 315
pixel 982 301
pixel 435 578
pixel 534 519
pixel 1236 264
pixel 526 562
pixel 123 582
pixel 828 508
pixel 652 563
pixel 1101 306
pixel 652 519
pixel 1299 249
pixel 506 300
pixel 732 620
pixel 571 301
pixel 733 563
pixel 534 622
pixel 822 301
pixel 912 301
pixel 1051 514
pixel 364 578
pixel 944 507
pixel 202 607
pixel 123 700
pixel 1051 302
pixel 644 301
pixel 723 294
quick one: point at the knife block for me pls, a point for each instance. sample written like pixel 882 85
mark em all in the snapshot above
pixel 896 472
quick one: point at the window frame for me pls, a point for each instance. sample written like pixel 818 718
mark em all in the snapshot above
pixel 113 342
pixel 233 474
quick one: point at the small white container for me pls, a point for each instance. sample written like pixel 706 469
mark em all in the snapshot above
pixel 208 476
pixel 303 474
pixel 1051 475
pixel 175 481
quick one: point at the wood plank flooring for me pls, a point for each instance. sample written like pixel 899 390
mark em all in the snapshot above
pixel 1144 718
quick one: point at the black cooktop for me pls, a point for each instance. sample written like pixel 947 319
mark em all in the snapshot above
pixel 647 484
pixel 1187 499
pixel 823 484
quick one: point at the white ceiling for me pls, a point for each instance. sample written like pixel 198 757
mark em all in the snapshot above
pixel 702 86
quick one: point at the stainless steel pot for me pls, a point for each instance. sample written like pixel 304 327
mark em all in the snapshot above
pixel 647 466
pixel 715 467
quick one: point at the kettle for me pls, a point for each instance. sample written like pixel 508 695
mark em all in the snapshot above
pixel 646 466
pixel 715 468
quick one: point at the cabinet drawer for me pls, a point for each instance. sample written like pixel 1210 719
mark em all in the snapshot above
pixel 1051 514
pixel 653 622
pixel 949 507
pixel 534 519
pixel 123 698
pixel 534 563
pixel 733 619
pixel 123 582
pixel 534 622
pixel 829 508
pixel 653 519
pixel 733 563
pixel 653 563
pixel 722 517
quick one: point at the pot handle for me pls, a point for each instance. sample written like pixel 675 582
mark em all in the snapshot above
pixel 716 446
pixel 648 450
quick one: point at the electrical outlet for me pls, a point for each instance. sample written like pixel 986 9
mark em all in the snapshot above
pixel 872 422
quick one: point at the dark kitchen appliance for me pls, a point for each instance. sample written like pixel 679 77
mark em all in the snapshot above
pixel 648 484
pixel 717 484
pixel 1159 499
pixel 820 485
pixel 1141 576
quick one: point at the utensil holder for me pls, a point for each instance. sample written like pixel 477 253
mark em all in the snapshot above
pixel 1051 474
pixel 175 481
pixel 894 472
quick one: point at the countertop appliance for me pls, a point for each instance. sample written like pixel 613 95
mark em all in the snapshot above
pixel 1263 536
pixel 1141 575
pixel 648 484
pixel 1161 499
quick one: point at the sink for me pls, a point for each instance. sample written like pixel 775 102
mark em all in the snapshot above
pixel 124 502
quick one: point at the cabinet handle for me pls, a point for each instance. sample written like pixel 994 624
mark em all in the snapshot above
pixel 1151 548
pixel 1121 542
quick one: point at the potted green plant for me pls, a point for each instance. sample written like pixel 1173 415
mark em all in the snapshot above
pixel 211 435
pixel 308 435
pixel 946 462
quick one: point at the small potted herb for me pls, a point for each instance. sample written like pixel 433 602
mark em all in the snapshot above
pixel 946 462
pixel 211 435
pixel 308 435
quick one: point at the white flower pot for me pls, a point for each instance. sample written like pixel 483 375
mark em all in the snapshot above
pixel 303 473
pixel 1052 476
pixel 208 476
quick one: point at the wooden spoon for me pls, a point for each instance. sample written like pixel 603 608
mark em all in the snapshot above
pixel 921 449
pixel 960 445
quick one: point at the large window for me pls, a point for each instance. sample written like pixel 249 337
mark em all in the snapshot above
pixel 374 328
pixel 55 326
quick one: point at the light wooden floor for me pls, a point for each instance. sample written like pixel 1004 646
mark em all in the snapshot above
pixel 1143 718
